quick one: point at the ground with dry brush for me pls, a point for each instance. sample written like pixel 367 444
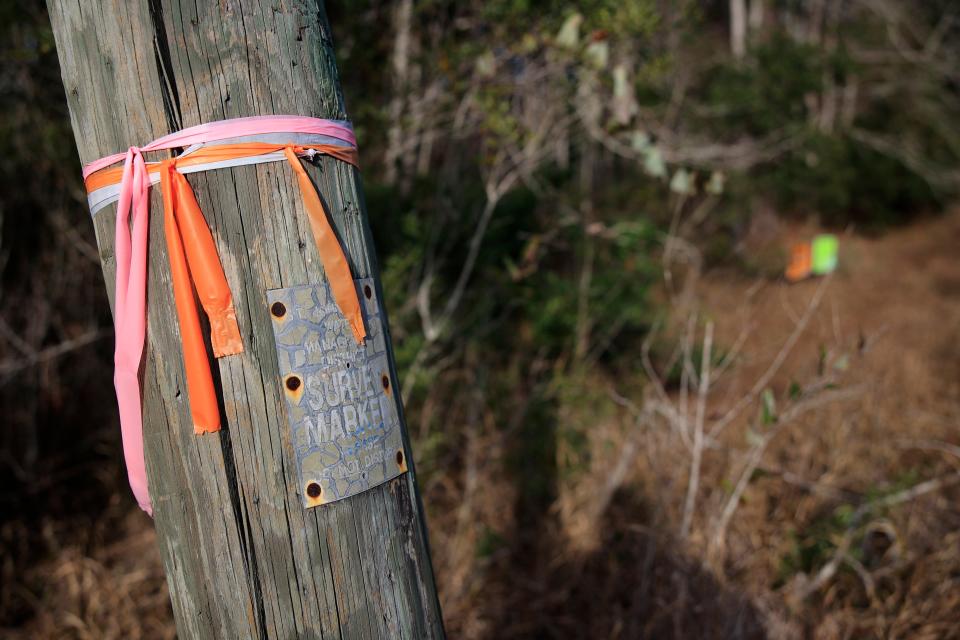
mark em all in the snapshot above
pixel 847 527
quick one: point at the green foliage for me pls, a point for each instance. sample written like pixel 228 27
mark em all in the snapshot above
pixel 904 480
pixel 768 408
pixel 766 95
pixel 617 291
pixel 489 543
pixel 827 172
pixel 847 182
pixel 814 545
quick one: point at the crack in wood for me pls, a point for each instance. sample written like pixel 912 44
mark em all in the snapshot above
pixel 171 98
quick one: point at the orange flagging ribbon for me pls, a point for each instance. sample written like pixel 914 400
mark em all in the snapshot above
pixel 193 257
pixel 801 262
pixel 334 261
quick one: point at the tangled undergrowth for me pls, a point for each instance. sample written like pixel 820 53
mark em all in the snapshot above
pixel 848 526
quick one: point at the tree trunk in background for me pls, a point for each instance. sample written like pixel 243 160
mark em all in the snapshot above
pixel 831 94
pixel 400 62
pixel 738 28
pixel 243 558
pixel 758 11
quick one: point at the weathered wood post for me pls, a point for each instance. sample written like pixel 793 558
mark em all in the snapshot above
pixel 243 557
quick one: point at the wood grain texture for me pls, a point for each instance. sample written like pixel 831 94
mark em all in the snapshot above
pixel 243 559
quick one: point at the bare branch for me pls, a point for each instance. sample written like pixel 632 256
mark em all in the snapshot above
pixel 10 367
pixel 703 388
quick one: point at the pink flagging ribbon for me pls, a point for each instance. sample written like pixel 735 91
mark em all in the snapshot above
pixel 255 125
pixel 130 316
pixel 132 230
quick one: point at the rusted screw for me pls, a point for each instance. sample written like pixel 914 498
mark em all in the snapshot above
pixel 314 490
pixel 293 383
pixel 367 291
pixel 385 381
pixel 278 309
pixel 399 458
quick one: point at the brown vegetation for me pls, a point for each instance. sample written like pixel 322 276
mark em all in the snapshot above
pixel 847 528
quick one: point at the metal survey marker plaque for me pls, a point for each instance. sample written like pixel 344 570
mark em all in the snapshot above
pixel 341 403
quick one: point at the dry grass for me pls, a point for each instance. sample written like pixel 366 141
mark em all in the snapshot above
pixel 849 528
pixel 97 580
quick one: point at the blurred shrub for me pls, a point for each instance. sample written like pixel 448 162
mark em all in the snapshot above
pixel 848 182
pixel 826 170
pixel 765 95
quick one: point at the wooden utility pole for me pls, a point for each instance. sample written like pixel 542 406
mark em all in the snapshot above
pixel 243 557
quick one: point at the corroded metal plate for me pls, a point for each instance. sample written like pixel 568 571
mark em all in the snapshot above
pixel 341 403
